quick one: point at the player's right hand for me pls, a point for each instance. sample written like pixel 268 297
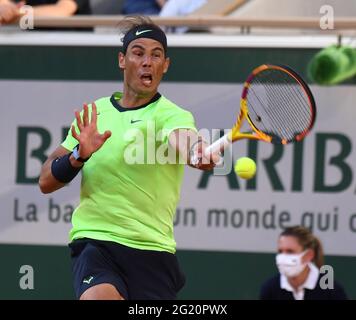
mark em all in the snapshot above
pixel 200 160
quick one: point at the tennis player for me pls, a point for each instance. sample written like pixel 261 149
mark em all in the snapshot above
pixel 122 242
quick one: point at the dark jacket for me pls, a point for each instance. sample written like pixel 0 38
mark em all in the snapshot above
pixel 271 290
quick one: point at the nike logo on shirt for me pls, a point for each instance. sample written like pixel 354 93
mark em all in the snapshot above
pixel 134 121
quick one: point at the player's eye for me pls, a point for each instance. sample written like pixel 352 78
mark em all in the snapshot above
pixel 156 54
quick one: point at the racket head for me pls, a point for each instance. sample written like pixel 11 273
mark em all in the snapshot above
pixel 278 105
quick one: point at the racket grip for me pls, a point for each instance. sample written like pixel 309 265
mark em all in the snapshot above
pixel 218 145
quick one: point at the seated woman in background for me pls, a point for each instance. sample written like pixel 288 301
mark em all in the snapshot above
pixel 299 258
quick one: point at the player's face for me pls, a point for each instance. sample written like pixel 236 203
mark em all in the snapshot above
pixel 144 65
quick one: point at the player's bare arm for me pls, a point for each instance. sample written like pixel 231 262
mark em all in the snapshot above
pixel 191 148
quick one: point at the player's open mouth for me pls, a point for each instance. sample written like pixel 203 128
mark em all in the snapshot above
pixel 146 79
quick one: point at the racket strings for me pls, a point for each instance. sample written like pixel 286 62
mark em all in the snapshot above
pixel 300 117
pixel 274 111
pixel 292 114
pixel 270 127
pixel 264 124
pixel 278 104
pixel 293 97
pixel 300 96
pixel 272 121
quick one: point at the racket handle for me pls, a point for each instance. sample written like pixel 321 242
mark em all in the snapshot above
pixel 218 145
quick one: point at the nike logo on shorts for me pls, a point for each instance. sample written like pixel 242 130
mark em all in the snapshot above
pixel 88 279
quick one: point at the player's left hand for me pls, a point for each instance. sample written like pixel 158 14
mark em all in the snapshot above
pixel 90 140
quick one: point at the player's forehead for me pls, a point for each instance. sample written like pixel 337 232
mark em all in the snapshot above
pixel 146 44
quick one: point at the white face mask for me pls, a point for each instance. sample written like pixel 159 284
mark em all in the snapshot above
pixel 290 264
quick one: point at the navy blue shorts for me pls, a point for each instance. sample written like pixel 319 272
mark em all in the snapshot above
pixel 136 274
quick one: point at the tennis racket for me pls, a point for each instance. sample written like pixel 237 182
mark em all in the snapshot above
pixel 278 106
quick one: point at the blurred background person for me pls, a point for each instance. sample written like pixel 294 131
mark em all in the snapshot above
pixel 9 11
pixel 174 8
pixel 59 8
pixel 146 7
pixel 44 8
pixel 300 256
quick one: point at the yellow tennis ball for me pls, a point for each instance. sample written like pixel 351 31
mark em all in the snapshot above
pixel 245 168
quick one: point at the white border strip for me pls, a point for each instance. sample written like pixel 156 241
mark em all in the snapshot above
pixel 186 40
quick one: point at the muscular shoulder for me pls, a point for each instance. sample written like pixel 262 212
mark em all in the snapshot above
pixel 103 102
pixel 166 108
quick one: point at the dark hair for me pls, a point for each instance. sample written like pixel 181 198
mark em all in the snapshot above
pixel 131 22
pixel 308 241
pixel 134 27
